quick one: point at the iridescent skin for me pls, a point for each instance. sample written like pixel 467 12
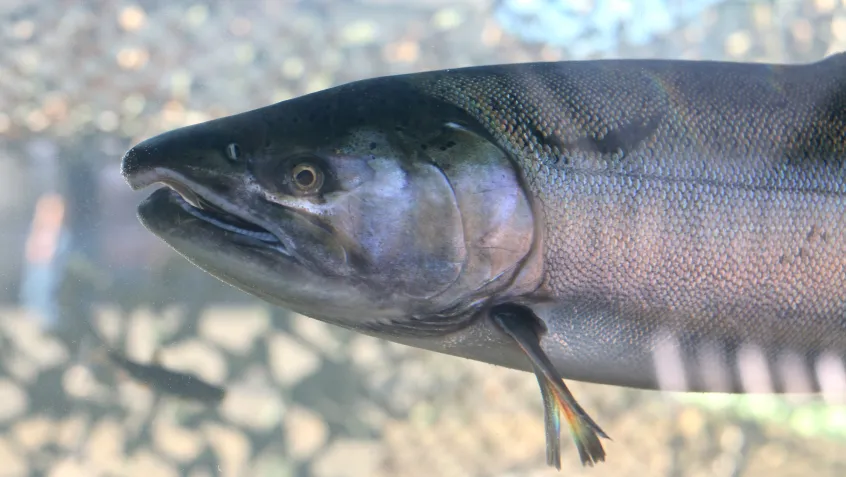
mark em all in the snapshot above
pixel 694 215
pixel 671 224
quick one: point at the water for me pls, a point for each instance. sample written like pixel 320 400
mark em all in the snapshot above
pixel 586 27
pixel 79 84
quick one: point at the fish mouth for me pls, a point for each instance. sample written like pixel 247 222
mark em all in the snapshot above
pixel 208 212
pixel 196 201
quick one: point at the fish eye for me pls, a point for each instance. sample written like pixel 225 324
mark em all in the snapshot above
pixel 307 177
pixel 233 151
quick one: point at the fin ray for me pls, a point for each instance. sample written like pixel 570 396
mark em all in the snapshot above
pixel 552 423
pixel 516 321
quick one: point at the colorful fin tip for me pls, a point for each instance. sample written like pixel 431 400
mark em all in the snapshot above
pixel 559 401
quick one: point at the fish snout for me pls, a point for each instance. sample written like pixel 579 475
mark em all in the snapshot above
pixel 140 162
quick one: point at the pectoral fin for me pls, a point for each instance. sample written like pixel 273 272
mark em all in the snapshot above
pixel 521 324
pixel 552 422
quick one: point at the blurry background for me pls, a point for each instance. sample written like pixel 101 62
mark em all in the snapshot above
pixel 80 81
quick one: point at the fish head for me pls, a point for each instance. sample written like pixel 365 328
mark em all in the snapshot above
pixel 366 206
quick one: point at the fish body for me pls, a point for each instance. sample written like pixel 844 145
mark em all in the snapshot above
pixel 174 383
pixel 666 224
pixel 693 215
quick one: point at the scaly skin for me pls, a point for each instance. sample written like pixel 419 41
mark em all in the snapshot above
pixel 667 225
pixel 693 203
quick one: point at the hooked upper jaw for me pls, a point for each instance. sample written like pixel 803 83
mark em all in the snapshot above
pixel 155 158
pixel 197 201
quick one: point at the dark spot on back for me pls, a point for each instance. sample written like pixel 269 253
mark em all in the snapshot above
pixel 821 138
pixel 372 146
pixel 543 140
pixel 623 139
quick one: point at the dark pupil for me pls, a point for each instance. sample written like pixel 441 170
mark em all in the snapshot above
pixel 305 178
